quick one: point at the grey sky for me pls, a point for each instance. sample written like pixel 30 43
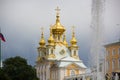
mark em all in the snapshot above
pixel 21 21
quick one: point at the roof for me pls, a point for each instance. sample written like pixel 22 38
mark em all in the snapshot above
pixel 64 59
pixel 111 44
pixel 65 64
pixel 69 60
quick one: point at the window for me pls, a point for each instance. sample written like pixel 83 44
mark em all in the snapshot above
pixel 100 68
pixel 62 52
pixel 72 72
pixel 113 64
pixel 119 51
pixel 51 51
pixel 119 63
pixel 107 52
pixel 74 52
pixel 59 37
pixel 113 52
pixel 108 64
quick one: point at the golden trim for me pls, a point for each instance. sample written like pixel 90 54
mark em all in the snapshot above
pixel 73 40
pixel 42 41
pixel 51 40
pixel 51 56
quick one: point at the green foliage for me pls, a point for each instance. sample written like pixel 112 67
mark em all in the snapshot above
pixel 18 69
pixel 3 75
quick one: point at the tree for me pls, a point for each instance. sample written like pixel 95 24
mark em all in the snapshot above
pixel 18 69
pixel 3 75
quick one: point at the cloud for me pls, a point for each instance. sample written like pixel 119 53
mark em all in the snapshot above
pixel 21 21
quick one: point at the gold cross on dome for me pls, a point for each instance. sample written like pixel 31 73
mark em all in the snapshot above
pixel 57 10
pixel 42 30
pixel 73 28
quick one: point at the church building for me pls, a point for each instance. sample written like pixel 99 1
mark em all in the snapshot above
pixel 57 60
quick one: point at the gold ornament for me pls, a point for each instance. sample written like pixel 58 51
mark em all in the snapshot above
pixel 51 40
pixel 73 40
pixel 42 41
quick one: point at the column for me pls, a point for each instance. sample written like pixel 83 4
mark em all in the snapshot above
pixel 43 72
pixel 47 72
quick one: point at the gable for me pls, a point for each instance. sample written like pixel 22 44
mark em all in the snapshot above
pixel 72 66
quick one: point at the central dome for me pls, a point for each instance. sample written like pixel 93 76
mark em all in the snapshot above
pixel 57 28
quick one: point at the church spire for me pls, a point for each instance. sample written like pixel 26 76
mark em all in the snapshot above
pixel 57 15
pixel 42 40
pixel 51 40
pixel 57 28
pixel 73 40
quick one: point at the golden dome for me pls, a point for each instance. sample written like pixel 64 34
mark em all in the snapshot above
pixel 64 41
pixel 57 28
pixel 73 40
pixel 51 40
pixel 42 41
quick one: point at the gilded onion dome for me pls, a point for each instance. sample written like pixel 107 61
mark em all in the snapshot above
pixel 51 40
pixel 64 41
pixel 57 28
pixel 42 40
pixel 73 40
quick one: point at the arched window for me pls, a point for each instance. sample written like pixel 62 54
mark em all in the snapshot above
pixel 108 64
pixel 119 63
pixel 113 52
pixel 72 72
pixel 51 51
pixel 107 52
pixel 58 37
pixel 113 64
pixel 74 53
pixel 119 51
pixel 76 79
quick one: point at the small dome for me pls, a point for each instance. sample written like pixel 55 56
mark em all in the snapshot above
pixel 51 40
pixel 73 40
pixel 64 41
pixel 42 41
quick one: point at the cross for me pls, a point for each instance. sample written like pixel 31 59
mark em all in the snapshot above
pixel 73 27
pixel 57 10
pixel 42 30
pixel 73 33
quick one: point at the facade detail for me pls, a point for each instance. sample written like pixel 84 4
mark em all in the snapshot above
pixel 112 58
pixel 57 60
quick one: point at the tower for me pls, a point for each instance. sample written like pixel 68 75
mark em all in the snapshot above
pixel 57 28
pixel 42 48
pixel 73 47
pixel 57 59
pixel 51 46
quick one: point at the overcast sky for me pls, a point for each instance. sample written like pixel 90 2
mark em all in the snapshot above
pixel 21 21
